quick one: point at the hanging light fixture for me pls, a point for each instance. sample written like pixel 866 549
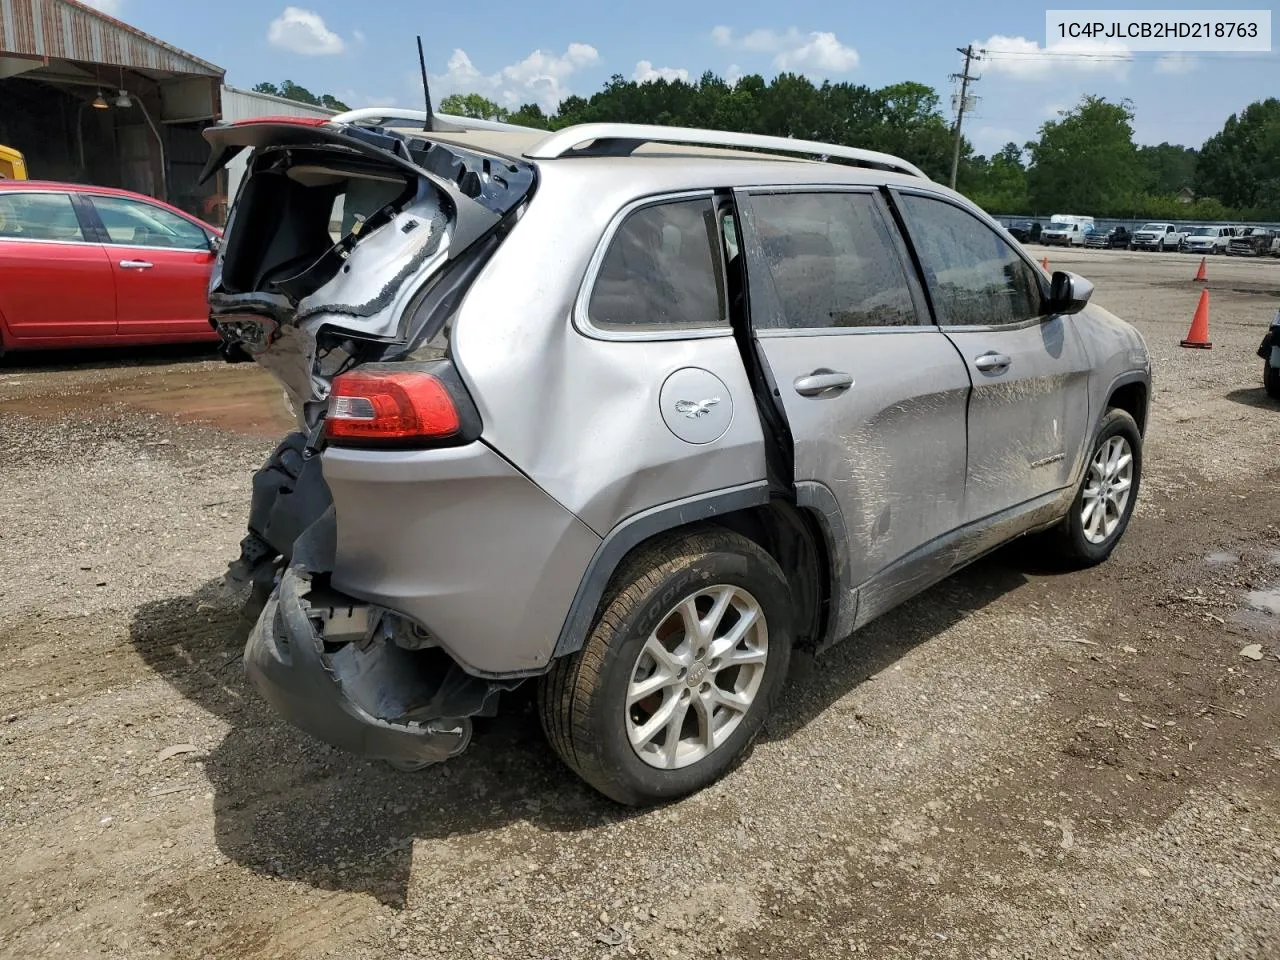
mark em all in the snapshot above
pixel 122 100
pixel 100 102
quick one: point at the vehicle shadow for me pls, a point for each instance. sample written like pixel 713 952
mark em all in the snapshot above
pixel 1253 397
pixel 286 805
pixel 86 358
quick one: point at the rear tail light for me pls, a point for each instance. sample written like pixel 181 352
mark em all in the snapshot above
pixel 391 408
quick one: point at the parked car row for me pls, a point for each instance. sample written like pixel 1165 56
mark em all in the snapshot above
pixel 1069 230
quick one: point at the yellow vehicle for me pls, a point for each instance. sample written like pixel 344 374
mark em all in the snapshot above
pixel 12 165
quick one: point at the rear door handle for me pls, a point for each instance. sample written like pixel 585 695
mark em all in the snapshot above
pixel 823 383
pixel 136 264
pixel 992 362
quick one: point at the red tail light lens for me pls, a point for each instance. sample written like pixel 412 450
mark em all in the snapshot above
pixel 396 407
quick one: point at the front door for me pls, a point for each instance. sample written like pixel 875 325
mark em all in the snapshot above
pixel 1029 414
pixel 161 263
pixel 874 394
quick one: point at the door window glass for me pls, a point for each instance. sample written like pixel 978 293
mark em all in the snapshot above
pixel 38 216
pixel 832 260
pixel 139 224
pixel 974 277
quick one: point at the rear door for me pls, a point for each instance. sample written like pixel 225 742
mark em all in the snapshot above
pixel 873 393
pixel 54 283
pixel 161 263
pixel 1029 413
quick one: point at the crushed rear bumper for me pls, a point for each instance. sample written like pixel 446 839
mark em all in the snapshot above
pixel 360 693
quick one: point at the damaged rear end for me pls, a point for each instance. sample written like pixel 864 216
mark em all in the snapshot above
pixel 346 254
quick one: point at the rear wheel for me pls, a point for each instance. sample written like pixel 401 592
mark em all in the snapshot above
pixel 1271 381
pixel 684 663
pixel 1105 500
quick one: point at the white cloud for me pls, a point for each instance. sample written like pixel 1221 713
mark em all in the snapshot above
pixel 357 36
pixel 646 72
pixel 303 31
pixel 540 78
pixel 1026 60
pixel 733 74
pixel 1176 63
pixel 816 52
pixel 109 7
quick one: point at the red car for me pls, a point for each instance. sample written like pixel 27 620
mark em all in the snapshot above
pixel 84 266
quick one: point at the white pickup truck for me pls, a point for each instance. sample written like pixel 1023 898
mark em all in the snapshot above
pixel 1159 236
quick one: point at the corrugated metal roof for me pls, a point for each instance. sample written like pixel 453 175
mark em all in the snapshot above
pixel 69 30
pixel 247 104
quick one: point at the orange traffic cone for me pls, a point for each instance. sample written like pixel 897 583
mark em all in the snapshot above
pixel 1202 275
pixel 1044 264
pixel 1198 335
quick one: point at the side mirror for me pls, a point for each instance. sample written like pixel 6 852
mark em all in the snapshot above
pixel 1068 292
pixel 215 243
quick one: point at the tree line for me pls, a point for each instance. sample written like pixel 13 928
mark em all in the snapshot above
pixel 1083 161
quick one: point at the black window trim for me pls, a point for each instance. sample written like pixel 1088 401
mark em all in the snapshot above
pixel 895 192
pixel 581 316
pixel 86 232
pixel 924 314
pixel 87 197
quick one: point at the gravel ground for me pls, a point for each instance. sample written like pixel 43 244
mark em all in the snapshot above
pixel 1016 764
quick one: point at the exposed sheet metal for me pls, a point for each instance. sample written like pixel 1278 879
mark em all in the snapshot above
pixel 68 30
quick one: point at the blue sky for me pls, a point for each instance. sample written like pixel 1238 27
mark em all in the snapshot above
pixel 520 52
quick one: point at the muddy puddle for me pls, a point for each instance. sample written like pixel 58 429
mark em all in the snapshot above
pixel 238 398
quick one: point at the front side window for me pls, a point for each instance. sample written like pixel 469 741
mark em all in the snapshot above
pixel 833 262
pixel 663 271
pixel 974 277
pixel 134 223
pixel 38 216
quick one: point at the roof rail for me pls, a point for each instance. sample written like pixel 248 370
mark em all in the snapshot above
pixel 620 139
pixel 373 116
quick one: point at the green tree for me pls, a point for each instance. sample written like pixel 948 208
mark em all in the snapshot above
pixel 1086 160
pixel 1240 165
pixel 300 94
pixel 529 115
pixel 472 105
pixel 998 185
pixel 1167 168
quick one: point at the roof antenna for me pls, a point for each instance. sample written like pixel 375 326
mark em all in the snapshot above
pixel 428 123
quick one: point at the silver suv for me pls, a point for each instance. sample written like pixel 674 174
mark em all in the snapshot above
pixel 632 412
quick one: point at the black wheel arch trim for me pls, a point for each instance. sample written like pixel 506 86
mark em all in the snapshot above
pixel 633 531
pixel 817 498
pixel 1123 380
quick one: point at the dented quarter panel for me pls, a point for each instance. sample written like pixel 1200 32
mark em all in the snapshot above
pixel 464 544
pixel 577 413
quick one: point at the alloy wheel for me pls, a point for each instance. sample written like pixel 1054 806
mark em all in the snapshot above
pixel 696 676
pixel 1107 489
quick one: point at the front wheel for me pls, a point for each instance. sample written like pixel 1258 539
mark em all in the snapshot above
pixel 1271 381
pixel 686 659
pixel 1104 503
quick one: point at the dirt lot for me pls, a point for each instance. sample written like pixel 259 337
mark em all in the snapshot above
pixel 1016 764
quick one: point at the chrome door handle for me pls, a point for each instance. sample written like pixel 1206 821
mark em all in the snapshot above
pixel 136 264
pixel 992 362
pixel 823 383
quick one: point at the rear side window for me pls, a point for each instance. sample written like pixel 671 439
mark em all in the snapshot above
pixel 663 271
pixel 38 216
pixel 974 277
pixel 833 262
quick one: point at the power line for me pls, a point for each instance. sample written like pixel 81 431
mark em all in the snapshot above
pixel 965 79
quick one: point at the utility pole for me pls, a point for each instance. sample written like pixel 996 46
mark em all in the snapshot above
pixel 965 79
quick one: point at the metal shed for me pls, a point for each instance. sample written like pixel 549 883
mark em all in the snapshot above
pixel 88 98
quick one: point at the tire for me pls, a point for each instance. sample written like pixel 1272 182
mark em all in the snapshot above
pixel 1074 544
pixel 1271 380
pixel 583 700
